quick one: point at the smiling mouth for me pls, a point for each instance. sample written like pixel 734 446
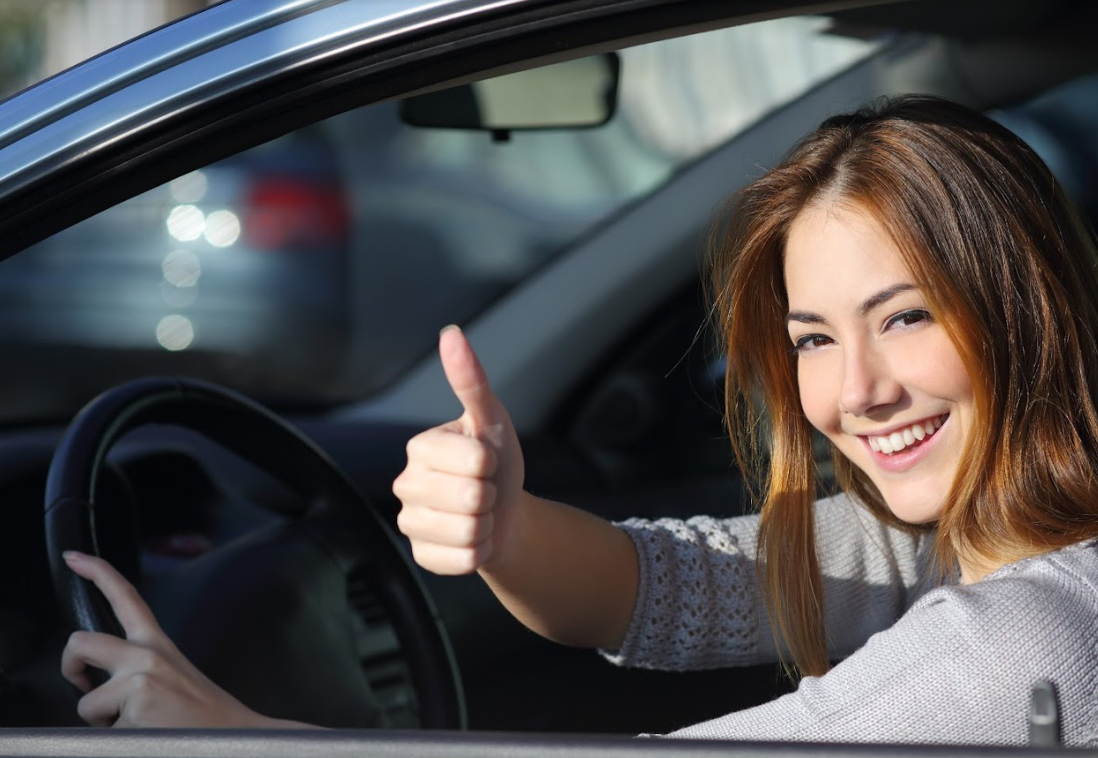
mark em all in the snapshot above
pixel 908 437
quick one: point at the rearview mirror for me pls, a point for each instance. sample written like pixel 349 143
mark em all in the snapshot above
pixel 575 94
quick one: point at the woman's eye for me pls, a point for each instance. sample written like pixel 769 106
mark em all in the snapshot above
pixel 908 318
pixel 810 342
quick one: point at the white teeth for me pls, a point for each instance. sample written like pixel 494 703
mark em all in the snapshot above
pixel 897 441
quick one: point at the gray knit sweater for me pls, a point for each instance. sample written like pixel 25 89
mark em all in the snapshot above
pixel 950 665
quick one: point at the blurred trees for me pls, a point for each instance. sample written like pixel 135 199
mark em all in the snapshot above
pixel 38 38
pixel 22 41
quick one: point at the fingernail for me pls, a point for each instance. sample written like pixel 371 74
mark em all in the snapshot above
pixel 447 328
pixel 73 556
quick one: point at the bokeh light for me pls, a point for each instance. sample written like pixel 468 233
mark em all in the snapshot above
pixel 181 268
pixel 175 333
pixel 186 223
pixel 189 188
pixel 222 228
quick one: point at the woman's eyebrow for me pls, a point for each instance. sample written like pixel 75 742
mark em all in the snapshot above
pixel 873 301
pixel 804 317
pixel 882 297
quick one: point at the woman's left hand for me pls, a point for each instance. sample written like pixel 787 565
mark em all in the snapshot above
pixel 151 683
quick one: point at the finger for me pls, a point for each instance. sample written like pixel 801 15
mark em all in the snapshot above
pixel 133 614
pixel 130 701
pixel 103 651
pixel 103 705
pixel 74 666
pixel 446 529
pixel 445 492
pixel 467 379
pixel 450 453
pixel 451 561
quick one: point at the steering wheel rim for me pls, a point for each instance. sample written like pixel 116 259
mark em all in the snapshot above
pixel 256 434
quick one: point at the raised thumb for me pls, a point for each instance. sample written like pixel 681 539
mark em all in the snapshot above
pixel 484 414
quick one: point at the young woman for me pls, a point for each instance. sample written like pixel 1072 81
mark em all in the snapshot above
pixel 911 283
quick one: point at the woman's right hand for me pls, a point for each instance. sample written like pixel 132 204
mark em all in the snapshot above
pixel 463 482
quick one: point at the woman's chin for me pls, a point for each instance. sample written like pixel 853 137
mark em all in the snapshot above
pixel 915 511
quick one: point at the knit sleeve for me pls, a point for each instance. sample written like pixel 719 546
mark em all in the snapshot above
pixel 699 606
pixel 958 668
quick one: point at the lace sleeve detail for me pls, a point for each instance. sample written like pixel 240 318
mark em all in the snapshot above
pixel 699 606
pixel 696 604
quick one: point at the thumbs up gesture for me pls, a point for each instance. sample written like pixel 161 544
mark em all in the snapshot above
pixel 464 479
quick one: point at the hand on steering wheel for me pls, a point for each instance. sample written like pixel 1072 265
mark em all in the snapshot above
pixel 151 683
pixel 335 540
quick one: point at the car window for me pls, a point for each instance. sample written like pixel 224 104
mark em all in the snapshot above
pixel 318 267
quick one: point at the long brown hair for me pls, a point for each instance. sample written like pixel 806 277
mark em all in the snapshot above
pixel 1010 272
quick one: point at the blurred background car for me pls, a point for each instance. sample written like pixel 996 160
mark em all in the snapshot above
pixel 241 266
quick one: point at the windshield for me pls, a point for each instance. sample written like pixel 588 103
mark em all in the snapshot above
pixel 317 268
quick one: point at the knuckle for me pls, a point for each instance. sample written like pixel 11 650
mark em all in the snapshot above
pixel 414 446
pixel 446 561
pixel 466 561
pixel 141 683
pixel 79 640
pixel 420 557
pixel 427 557
pixel 476 530
pixel 482 460
pixel 467 533
pixel 85 709
pixel 146 662
pixel 486 497
pixel 491 462
pixel 138 683
pixel 485 526
pixel 405 522
pixel 400 485
pixel 482 552
pixel 473 497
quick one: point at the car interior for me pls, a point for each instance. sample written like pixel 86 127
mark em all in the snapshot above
pixel 585 305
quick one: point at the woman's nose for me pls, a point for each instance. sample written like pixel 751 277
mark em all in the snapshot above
pixel 868 381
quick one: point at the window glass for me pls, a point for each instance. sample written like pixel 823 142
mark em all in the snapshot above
pixel 320 266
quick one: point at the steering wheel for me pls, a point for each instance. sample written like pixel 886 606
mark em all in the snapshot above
pixel 335 535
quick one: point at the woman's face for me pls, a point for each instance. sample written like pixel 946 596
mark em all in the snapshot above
pixel 877 374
